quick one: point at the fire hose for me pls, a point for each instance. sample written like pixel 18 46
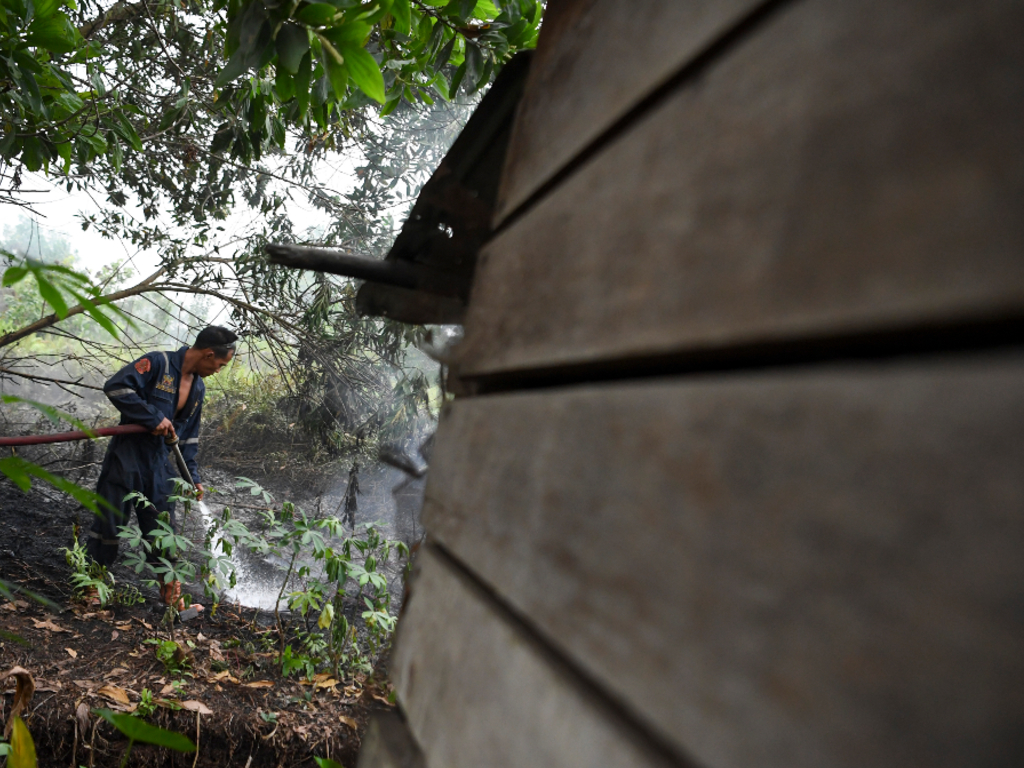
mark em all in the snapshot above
pixel 123 429
pixel 62 437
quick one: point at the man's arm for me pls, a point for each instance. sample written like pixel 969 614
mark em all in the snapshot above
pixel 124 389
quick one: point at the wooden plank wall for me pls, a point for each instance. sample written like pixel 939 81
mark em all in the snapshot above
pixel 741 478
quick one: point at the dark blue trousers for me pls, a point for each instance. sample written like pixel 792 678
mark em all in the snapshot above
pixel 133 463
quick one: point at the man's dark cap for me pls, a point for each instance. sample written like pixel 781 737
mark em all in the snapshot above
pixel 218 338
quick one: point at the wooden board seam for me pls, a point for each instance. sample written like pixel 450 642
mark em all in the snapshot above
pixel 959 337
pixel 713 51
pixel 634 725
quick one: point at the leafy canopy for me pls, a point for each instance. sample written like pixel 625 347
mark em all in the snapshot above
pixel 83 88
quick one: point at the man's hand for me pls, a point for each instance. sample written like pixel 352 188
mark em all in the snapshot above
pixel 164 428
pixel 199 491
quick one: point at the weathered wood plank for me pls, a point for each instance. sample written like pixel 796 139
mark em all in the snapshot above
pixel 389 744
pixel 595 60
pixel 850 167
pixel 818 568
pixel 477 692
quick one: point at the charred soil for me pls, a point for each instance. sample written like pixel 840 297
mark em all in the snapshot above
pixel 231 699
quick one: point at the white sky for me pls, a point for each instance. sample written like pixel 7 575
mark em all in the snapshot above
pixel 58 212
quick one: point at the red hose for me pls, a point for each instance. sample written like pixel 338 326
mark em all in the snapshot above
pixel 61 437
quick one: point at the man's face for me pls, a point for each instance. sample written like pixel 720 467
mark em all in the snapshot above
pixel 210 364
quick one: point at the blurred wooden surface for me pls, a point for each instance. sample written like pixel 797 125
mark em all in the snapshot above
pixel 801 545
pixel 480 693
pixel 595 60
pixel 849 168
pixel 797 568
pixel 388 743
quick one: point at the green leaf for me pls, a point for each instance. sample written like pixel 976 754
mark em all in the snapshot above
pixel 234 68
pixel 250 26
pixel 23 750
pixel 127 132
pixel 365 72
pixel 14 275
pixel 55 415
pixel 474 63
pixel 485 76
pixel 70 101
pixel 328 52
pixel 116 154
pixel 284 85
pixel 353 33
pixel 96 142
pixel 28 82
pixel 26 61
pixel 316 14
pixel 338 74
pixel 51 295
pixel 4 634
pixel 54 34
pixel 436 36
pixel 390 105
pixel 425 28
pixel 457 80
pixel 324 762
pixel 402 12
pixel 302 80
pixel 12 469
pixel 445 54
pixel 222 138
pixel 8 144
pixel 139 730
pixel 292 44
pixel 44 9
pixel 97 314
pixel 21 473
pixel 65 272
pixel 374 11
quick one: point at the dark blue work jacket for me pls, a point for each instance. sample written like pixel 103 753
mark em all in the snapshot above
pixel 145 392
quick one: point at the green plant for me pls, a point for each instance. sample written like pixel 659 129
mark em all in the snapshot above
pixel 137 729
pixel 313 643
pixel 90 578
pixel 146 705
pixel 360 559
pixel 254 488
pixel 340 566
pixel 175 553
pixel 296 662
pixel 87 576
pixel 175 659
pixel 169 546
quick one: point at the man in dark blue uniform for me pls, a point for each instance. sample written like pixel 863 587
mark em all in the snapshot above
pixel 162 391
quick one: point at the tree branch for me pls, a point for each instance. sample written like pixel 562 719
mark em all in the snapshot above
pixel 59 382
pixel 120 11
pixel 45 322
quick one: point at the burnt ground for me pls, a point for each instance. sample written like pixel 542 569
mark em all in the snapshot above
pixel 233 700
